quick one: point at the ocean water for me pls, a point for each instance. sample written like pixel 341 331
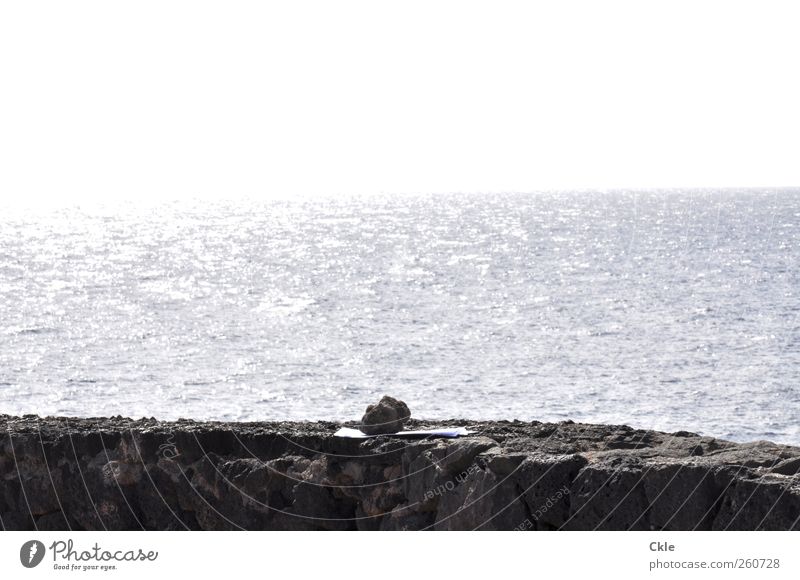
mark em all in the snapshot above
pixel 668 309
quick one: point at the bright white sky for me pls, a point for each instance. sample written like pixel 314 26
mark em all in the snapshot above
pixel 154 99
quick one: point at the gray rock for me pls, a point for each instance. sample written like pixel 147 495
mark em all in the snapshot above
pixel 112 473
pixel 387 416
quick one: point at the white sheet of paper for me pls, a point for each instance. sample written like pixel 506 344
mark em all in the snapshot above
pixel 446 432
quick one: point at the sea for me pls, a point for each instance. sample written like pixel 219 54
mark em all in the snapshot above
pixel 664 309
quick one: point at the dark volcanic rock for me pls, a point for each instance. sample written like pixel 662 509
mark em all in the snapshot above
pixel 121 474
pixel 386 416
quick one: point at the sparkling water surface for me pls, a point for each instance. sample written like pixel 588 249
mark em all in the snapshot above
pixel 667 310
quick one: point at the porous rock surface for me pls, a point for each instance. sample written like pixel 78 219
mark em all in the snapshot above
pixel 386 416
pixel 123 474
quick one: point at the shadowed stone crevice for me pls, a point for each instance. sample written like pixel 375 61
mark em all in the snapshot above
pixel 124 474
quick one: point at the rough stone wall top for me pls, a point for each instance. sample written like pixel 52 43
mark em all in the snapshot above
pixel 117 473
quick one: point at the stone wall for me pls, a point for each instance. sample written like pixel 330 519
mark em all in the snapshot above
pixel 120 474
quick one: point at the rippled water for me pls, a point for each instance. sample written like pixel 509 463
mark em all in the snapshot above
pixel 668 310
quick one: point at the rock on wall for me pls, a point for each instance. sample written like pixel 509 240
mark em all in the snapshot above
pixel 121 474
